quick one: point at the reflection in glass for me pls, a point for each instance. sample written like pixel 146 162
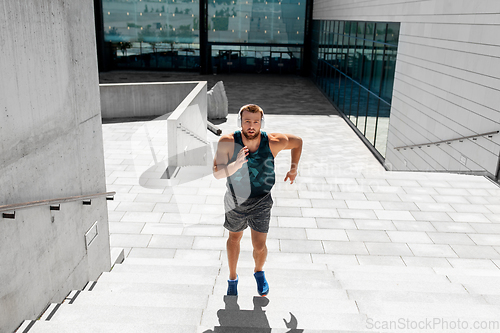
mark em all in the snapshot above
pixel 389 71
pixel 355 66
pixel 263 22
pixel 152 34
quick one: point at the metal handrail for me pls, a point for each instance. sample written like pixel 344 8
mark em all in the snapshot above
pixel 196 136
pixel 490 134
pixel 12 207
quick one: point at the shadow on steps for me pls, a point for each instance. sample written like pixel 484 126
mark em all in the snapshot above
pixel 234 320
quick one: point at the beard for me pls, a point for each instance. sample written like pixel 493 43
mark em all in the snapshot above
pixel 251 136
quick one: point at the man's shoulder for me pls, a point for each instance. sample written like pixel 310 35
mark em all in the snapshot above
pixel 227 138
pixel 277 137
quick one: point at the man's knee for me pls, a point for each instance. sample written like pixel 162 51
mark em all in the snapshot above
pixel 235 237
pixel 260 246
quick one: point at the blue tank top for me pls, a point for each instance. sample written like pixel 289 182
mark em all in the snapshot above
pixel 256 177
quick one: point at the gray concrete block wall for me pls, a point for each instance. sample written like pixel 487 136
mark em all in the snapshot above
pixel 447 79
pixel 50 147
pixel 120 100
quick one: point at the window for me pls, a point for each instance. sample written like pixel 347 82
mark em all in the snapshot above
pixel 354 65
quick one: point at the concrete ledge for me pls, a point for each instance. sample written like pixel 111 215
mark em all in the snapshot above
pixel 120 100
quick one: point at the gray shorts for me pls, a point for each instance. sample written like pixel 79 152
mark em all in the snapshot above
pixel 253 212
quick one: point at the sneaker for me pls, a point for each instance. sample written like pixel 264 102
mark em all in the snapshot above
pixel 232 287
pixel 262 285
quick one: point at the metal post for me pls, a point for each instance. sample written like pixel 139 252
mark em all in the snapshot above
pixel 204 54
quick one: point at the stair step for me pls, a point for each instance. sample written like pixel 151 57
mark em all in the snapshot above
pixel 97 327
pixel 474 279
pixel 346 275
pixel 286 291
pixel 436 310
pixel 290 303
pixel 415 297
pixel 171 262
pixel 277 273
pixel 127 314
pixel 267 319
pixel 107 298
pixel 158 288
pixel 403 286
pixel 384 269
pixel 177 270
pixel 467 271
pixel 280 266
pixel 283 281
pixel 165 278
pixel 482 289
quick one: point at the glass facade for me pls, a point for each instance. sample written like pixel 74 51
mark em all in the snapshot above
pixel 256 36
pixel 256 21
pixel 165 34
pixel 353 63
pixel 256 59
pixel 152 34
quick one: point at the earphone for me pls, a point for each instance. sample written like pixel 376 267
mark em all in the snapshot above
pixel 239 124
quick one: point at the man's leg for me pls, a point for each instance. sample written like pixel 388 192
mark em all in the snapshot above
pixel 233 252
pixel 259 249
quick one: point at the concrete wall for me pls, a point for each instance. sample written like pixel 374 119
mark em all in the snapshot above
pixel 188 125
pixel 121 100
pixel 447 78
pixel 50 147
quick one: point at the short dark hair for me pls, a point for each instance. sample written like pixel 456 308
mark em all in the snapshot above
pixel 253 108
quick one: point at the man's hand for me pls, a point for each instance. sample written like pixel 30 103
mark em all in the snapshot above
pixel 242 157
pixel 291 175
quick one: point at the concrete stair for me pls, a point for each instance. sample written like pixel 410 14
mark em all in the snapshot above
pixel 169 295
pixel 309 291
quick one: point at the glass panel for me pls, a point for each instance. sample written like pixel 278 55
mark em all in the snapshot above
pixel 361 30
pixel 392 33
pixel 343 53
pixel 355 99
pixel 377 68
pixel 336 86
pixel 277 22
pixel 371 118
pixel 341 96
pixel 363 104
pixel 380 31
pixel 341 27
pixel 347 28
pixel 330 88
pixel 152 34
pixel 370 30
pixel 367 63
pixel 389 71
pixel 354 29
pixel 357 67
pixel 358 60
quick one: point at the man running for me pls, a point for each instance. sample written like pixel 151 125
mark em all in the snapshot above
pixel 246 159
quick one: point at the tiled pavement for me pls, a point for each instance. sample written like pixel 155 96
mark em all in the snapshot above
pixel 351 246
pixel 344 208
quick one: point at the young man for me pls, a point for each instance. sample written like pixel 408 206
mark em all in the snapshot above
pixel 246 159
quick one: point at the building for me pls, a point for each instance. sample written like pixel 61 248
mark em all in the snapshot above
pixel 416 80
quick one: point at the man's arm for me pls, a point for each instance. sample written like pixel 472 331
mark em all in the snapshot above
pixel 225 149
pixel 288 141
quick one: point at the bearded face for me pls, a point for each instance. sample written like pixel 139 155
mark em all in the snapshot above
pixel 250 125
